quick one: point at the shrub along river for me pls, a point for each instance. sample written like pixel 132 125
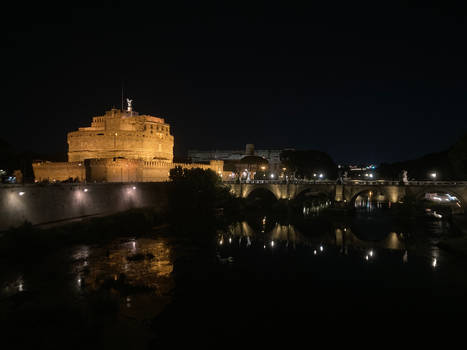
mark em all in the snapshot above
pixel 259 280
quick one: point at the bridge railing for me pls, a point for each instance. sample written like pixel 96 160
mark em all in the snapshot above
pixel 354 182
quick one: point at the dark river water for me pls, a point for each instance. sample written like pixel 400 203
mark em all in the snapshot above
pixel 258 281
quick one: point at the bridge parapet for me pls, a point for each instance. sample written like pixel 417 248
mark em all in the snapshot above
pixel 354 182
pixel 393 191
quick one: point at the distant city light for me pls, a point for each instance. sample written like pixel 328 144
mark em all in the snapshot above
pixel 272 176
pixel 85 190
pixel 321 176
pixel 21 193
pixel 435 262
pixel 433 175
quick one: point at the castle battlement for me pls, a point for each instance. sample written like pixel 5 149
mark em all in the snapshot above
pixel 119 146
pixel 122 134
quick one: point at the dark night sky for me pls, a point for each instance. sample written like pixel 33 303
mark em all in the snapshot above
pixel 367 83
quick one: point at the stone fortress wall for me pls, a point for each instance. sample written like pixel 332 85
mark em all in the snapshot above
pixel 40 204
pixel 120 146
pixel 122 134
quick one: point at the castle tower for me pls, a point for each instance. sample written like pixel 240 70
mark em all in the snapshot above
pixel 122 134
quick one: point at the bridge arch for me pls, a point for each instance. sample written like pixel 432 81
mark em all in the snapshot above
pixel 260 191
pixel 312 192
pixel 420 194
pixel 373 190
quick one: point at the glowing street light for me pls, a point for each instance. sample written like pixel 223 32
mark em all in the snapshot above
pixel 21 193
pixel 321 176
pixel 433 175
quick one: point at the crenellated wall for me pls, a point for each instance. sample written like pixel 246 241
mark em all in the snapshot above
pixel 59 171
pixel 115 170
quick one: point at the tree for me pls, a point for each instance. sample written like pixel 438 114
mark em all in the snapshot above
pixel 196 190
pixel 306 163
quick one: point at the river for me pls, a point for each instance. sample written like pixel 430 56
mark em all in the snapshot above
pixel 253 280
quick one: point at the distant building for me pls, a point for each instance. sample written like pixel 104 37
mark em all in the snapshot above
pixel 360 172
pixel 120 146
pixel 244 163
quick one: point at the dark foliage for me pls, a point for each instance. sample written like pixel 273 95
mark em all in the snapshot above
pixel 303 164
pixel 196 191
pixel 448 165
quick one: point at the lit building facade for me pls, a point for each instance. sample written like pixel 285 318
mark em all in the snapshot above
pixel 122 134
pixel 120 146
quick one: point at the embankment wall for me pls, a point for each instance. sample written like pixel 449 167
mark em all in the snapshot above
pixel 40 204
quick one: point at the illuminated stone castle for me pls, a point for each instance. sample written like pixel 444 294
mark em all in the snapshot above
pixel 122 134
pixel 120 146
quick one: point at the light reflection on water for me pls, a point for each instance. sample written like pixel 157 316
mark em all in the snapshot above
pixel 152 270
pixel 142 285
pixel 341 240
pixel 290 234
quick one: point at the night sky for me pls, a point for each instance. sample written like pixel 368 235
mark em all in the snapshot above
pixel 367 84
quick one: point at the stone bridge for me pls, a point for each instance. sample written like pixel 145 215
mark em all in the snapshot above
pixel 393 191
